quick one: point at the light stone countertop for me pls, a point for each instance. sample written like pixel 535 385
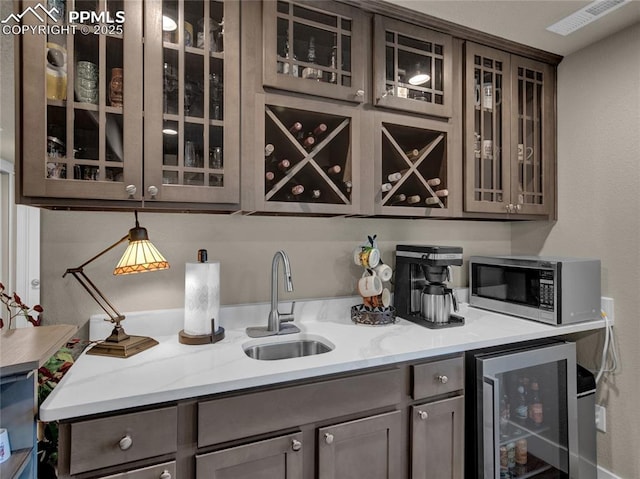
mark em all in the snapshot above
pixel 172 371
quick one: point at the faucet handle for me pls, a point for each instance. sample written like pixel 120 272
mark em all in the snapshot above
pixel 290 316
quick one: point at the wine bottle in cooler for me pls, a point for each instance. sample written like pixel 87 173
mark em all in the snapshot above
pixel 433 181
pixel 432 200
pixel 413 199
pixel 386 187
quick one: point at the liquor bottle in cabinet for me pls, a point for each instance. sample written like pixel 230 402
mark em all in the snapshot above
pixel 496 376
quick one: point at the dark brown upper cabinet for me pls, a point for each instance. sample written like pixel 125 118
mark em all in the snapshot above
pixel 509 133
pixel 412 68
pixel 314 48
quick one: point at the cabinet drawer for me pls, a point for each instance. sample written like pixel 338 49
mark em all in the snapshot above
pixel 247 415
pixel 437 377
pixel 120 439
pixel 166 470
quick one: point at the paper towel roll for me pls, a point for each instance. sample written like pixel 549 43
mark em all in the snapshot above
pixel 201 297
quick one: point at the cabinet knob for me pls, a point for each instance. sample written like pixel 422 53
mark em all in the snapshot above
pixel 35 283
pixel 328 438
pixel 423 414
pixel 443 379
pixel 125 443
pixel 518 208
pixel 131 189
pixel 360 93
pixel 165 475
pixel 153 191
pixel 296 445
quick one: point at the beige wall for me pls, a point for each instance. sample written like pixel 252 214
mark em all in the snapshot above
pixel 598 215
pixel 319 249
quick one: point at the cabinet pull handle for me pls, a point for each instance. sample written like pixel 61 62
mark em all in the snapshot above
pixel 131 189
pixel 360 93
pixel 125 443
pixel 165 474
pixel 443 379
pixel 328 438
pixel 296 445
pixel 423 415
pixel 153 191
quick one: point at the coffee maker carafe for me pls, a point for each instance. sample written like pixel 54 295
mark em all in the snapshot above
pixel 421 291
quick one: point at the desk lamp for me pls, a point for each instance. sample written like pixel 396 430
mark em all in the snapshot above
pixel 139 257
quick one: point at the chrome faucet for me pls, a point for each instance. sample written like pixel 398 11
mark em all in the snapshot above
pixel 276 318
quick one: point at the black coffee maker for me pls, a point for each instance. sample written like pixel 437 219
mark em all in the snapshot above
pixel 421 291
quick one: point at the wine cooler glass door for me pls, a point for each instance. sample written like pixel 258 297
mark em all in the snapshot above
pixel 528 413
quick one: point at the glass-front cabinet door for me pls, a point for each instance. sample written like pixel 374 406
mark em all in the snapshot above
pixel 192 102
pixel 532 136
pixel 487 130
pixel 314 48
pixel 509 133
pixel 81 124
pixel 412 68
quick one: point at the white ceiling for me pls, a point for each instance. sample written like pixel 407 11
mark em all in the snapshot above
pixel 525 21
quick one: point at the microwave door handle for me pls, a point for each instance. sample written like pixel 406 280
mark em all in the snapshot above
pixel 490 428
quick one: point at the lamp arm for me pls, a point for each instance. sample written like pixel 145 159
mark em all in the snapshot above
pixel 121 240
pixel 78 273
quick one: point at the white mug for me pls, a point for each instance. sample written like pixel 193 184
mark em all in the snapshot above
pixel 382 300
pixel 5 447
pixel 369 285
pixel 487 149
pixel 384 271
pixel 366 256
pixel 521 150
pixel 487 96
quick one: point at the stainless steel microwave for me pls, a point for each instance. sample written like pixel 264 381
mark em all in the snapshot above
pixel 552 290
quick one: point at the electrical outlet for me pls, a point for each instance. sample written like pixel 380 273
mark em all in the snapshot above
pixel 607 306
pixel 601 418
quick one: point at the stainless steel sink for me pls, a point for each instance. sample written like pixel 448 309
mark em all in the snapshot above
pixel 287 349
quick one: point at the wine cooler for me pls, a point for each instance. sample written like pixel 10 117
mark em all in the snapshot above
pixel 521 411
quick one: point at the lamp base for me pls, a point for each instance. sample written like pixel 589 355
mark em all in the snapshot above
pixel 123 349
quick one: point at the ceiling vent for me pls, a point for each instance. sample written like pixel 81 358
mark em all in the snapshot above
pixel 584 16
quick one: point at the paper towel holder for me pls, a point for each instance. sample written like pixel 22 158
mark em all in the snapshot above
pixel 196 339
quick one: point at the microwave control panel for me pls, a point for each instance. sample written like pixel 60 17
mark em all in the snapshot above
pixel 547 290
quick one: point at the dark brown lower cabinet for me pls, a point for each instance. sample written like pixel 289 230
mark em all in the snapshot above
pixel 368 447
pixel 397 421
pixel 277 458
pixel 159 471
pixel 437 442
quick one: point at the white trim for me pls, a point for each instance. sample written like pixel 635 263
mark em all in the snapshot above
pixel 27 257
pixel 20 240
pixel 604 474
